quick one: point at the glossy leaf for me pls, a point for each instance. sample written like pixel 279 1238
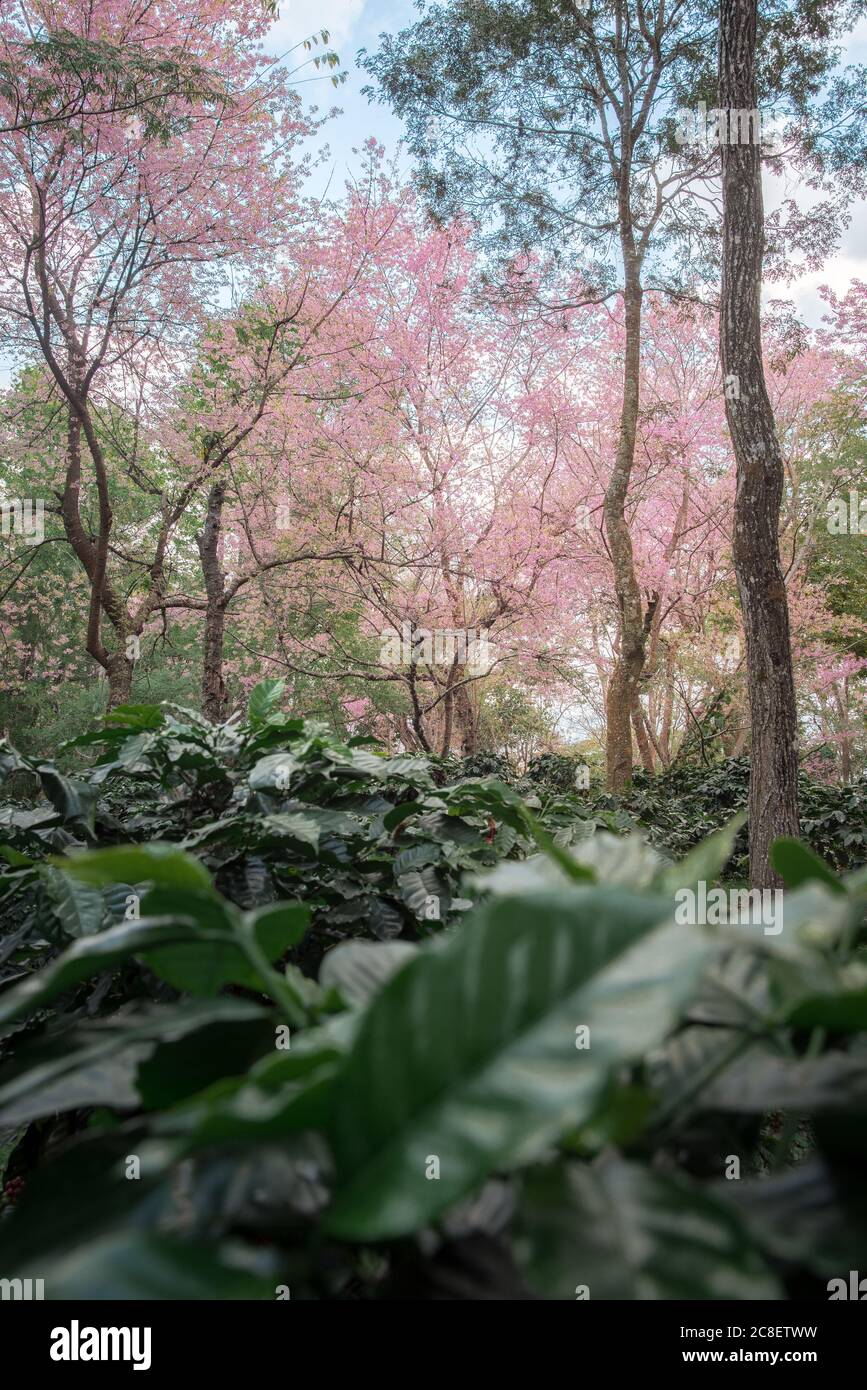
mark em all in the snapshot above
pixel 469 1052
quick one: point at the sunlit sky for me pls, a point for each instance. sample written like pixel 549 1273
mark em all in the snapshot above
pixel 356 24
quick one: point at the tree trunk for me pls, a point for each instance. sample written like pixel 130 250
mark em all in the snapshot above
pixel 448 716
pixel 642 738
pixel 841 697
pixel 773 805
pixel 623 682
pixel 466 716
pixel 214 694
pixel 668 705
pixel 119 669
pixel 417 713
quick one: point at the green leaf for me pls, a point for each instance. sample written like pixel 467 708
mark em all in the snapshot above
pixel 87 957
pixel 293 826
pixel 78 907
pixel 626 861
pixel 274 772
pixel 417 887
pixel 98 1063
pixel 835 1082
pixel 214 1039
pixel 205 910
pixel 13 857
pixel 277 926
pixel 705 863
pixel 134 717
pixel 359 969
pixel 386 921
pixel 623 1231
pixel 135 1265
pixel 264 700
pixel 469 1052
pixel 556 853
pixel 204 967
pixel 414 856
pixel 797 864
pixel 285 1092
pixel 407 768
pixel 815 1216
pixel 399 814
pixel 359 760
pixel 680 1069
pixel 154 863
pixel 845 1012
pixel 72 800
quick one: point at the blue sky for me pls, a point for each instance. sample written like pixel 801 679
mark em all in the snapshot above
pixel 352 24
pixel 355 24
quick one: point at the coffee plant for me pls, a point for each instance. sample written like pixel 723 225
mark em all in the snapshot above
pixel 242 1058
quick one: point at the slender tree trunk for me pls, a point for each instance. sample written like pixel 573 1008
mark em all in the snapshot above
pixel 639 727
pixel 841 697
pixel 623 682
pixel 466 721
pixel 417 713
pixel 92 551
pixel 214 694
pixel 773 807
pixel 448 716
pixel 668 705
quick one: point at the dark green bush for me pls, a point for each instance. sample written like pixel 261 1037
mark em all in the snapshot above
pixel 451 1111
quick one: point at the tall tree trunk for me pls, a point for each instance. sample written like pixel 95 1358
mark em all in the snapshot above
pixel 773 805
pixel 214 694
pixel 841 699
pixel 623 682
pixel 92 551
pixel 466 715
pixel 418 724
pixel 119 668
pixel 668 705
pixel 639 725
pixel 448 715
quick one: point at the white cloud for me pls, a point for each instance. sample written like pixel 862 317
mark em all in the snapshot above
pixel 839 273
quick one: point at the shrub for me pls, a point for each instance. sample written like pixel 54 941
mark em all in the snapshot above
pixel 230 1027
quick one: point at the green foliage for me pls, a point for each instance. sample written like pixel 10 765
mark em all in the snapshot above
pixel 273 806
pixel 680 807
pixel 187 981
pixel 554 771
pixel 68 74
pixel 487 765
